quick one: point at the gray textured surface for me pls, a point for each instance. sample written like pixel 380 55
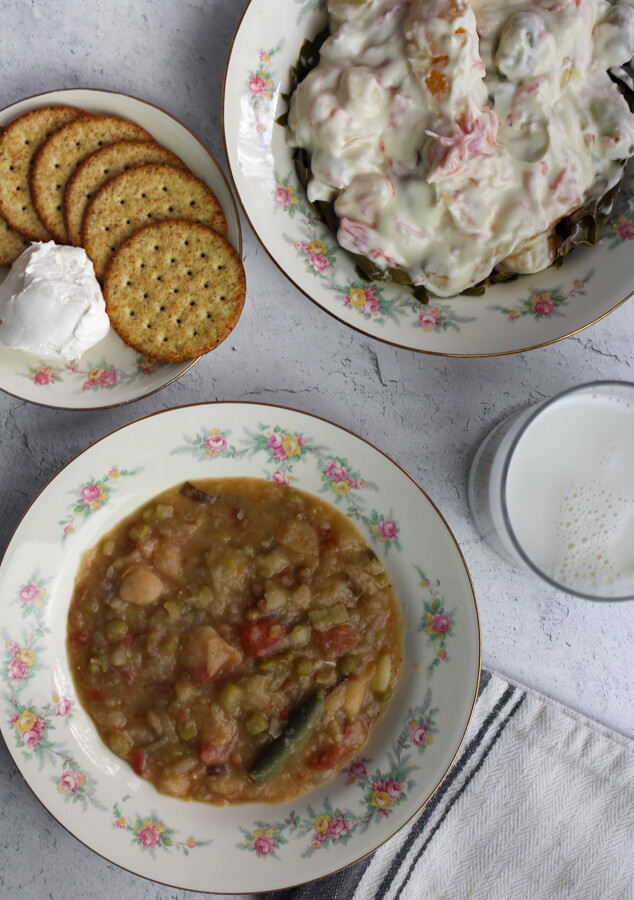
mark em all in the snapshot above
pixel 427 413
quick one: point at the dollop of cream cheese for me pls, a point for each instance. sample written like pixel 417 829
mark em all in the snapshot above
pixel 51 304
pixel 453 136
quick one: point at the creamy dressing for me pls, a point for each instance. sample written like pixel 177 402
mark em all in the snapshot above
pixel 453 136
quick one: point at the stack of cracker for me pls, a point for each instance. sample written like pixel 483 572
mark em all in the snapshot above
pixel 156 234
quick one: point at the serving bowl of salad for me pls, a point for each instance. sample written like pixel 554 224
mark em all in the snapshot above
pixel 159 797
pixel 431 199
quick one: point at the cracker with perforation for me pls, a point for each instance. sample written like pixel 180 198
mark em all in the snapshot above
pixel 12 243
pixel 18 145
pixel 59 156
pixel 100 167
pixel 140 196
pixel 174 290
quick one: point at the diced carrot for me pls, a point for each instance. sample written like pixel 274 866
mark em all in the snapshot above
pixel 137 759
pixel 201 675
pixel 335 641
pixel 354 737
pixel 437 83
pixel 79 638
pixel 214 754
pixel 126 675
pixel 326 759
pixel 262 637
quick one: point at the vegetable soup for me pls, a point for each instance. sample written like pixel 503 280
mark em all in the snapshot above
pixel 234 640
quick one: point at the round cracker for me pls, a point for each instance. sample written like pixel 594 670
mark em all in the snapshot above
pixel 61 153
pixel 175 290
pixel 138 197
pixel 12 243
pixel 18 145
pixel 101 166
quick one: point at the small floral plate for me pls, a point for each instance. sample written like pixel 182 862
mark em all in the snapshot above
pixel 521 315
pixel 111 374
pixel 250 847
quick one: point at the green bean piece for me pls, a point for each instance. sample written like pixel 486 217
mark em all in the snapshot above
pixel 277 754
pixel 154 745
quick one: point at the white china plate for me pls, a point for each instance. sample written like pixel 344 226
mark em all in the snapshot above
pixel 527 313
pixel 111 374
pixel 251 847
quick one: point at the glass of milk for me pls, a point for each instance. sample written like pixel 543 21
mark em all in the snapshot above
pixel 552 489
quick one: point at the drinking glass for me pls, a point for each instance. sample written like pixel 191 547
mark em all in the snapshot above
pixel 551 489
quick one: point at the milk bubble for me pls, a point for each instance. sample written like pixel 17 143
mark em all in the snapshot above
pixel 570 493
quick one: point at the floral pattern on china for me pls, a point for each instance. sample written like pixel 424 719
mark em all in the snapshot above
pixel 34 725
pixel 284 449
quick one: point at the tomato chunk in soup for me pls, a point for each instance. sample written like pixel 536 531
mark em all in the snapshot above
pixel 234 640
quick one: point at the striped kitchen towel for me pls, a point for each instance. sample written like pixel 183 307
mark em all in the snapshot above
pixel 539 804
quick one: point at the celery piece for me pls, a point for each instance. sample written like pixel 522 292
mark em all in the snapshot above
pixel 299 635
pixel 115 630
pixel 274 598
pixel 230 696
pixel 172 609
pixel 325 677
pixel 273 563
pixel 201 598
pixel 184 689
pixel 326 617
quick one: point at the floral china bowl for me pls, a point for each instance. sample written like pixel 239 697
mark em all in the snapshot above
pixel 111 374
pixel 250 847
pixel 530 312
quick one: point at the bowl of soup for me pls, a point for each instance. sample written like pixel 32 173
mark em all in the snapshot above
pixel 235 635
